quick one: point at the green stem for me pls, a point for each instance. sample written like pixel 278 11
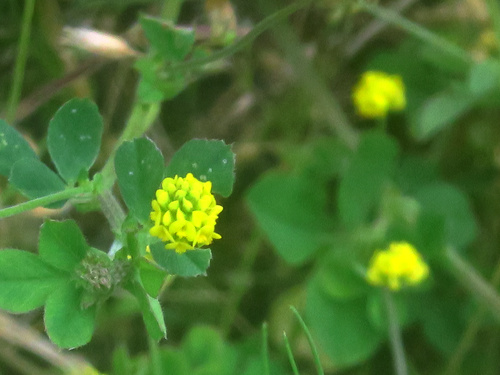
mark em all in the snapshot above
pixel 265 350
pixel 314 350
pixel 418 31
pixel 494 12
pixel 22 55
pixel 141 119
pixel 171 10
pixel 44 201
pixel 289 352
pixel 258 29
pixel 112 210
pixel 395 338
pixel 472 281
pixel 155 357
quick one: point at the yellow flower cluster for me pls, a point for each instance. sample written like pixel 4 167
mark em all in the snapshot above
pixel 398 266
pixel 377 93
pixel 184 213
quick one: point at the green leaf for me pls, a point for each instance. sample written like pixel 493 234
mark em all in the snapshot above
pixel 74 138
pixel 68 324
pixel 151 310
pixel 157 82
pixel 172 43
pixel 139 169
pixel 361 186
pixel 148 93
pixel 449 203
pixel 26 281
pixel 338 276
pixel 191 263
pixel 291 211
pixel 441 111
pixel 207 160
pixel 62 244
pixel 152 277
pixel 484 77
pixel 444 320
pixel 175 362
pixel 341 327
pixel 13 147
pixel 430 235
pixel 207 353
pixel 34 180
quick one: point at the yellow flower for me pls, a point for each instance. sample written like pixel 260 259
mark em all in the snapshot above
pixel 377 93
pixel 184 213
pixel 398 266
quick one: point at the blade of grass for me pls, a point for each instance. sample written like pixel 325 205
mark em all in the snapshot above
pixel 307 76
pixel 265 350
pixel 258 29
pixel 472 281
pixel 290 355
pixel 469 336
pixel 397 348
pixel 314 351
pixel 22 55
pixel 417 31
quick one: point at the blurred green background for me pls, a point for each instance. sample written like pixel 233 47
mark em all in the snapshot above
pixel 284 103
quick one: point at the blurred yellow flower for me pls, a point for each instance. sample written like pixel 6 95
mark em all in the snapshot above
pixel 377 93
pixel 184 213
pixel 398 266
pixel 86 370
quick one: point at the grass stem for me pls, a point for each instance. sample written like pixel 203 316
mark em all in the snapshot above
pixel 22 55
pixel 417 31
pixel 265 350
pixel 472 281
pixel 290 355
pixel 314 350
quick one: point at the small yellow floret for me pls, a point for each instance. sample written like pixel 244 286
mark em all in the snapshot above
pixel 184 213
pixel 377 93
pixel 398 266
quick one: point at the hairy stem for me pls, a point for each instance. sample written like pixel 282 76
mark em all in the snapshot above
pixel 112 210
pixel 44 201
